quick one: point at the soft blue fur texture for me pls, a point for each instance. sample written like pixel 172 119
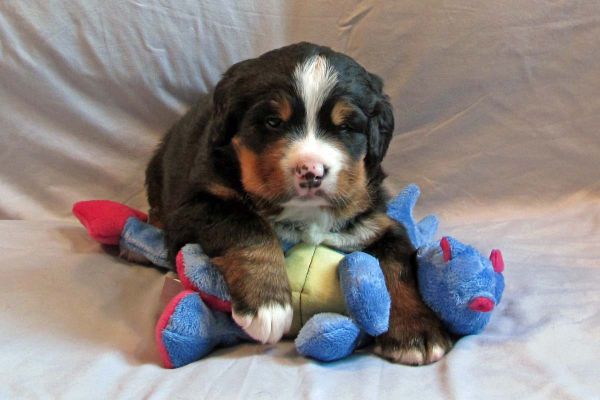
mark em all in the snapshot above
pixel 202 273
pixel 367 298
pixel 401 209
pixel 145 239
pixel 194 330
pixel 449 287
pixel 330 337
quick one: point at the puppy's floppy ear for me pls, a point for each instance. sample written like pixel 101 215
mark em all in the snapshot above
pixel 381 125
pixel 229 103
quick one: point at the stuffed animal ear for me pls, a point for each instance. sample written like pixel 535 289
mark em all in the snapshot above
pixel 497 260
pixel 445 245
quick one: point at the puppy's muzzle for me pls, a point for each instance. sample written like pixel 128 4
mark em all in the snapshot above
pixel 308 175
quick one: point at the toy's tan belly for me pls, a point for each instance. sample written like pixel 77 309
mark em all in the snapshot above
pixel 314 281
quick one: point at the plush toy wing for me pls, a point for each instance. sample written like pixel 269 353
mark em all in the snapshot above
pixel 401 207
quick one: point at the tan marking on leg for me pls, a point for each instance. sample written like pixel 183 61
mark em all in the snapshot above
pixel 222 191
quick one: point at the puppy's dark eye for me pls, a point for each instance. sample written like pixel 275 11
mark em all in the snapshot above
pixel 344 127
pixel 273 122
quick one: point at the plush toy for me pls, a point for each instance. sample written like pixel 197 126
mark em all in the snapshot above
pixel 198 320
pixel 459 284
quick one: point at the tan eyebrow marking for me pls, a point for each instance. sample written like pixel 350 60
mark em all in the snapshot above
pixel 340 111
pixel 283 107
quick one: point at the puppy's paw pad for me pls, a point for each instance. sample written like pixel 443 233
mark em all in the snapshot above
pixel 436 353
pixel 402 356
pixel 416 355
pixel 269 323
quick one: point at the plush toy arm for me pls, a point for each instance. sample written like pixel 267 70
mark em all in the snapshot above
pixel 365 292
pixel 401 207
pixel 330 337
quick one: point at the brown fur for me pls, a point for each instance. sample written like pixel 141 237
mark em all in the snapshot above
pixel 222 191
pixel 261 175
pixel 155 218
pixel 243 265
pixel 352 187
pixel 412 326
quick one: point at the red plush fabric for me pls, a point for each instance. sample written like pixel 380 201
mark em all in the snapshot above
pixel 445 245
pixel 481 304
pixel 497 260
pixel 105 219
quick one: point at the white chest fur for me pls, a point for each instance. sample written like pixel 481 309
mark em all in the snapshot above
pixel 306 221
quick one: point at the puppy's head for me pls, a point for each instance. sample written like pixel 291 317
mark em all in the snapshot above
pixel 308 125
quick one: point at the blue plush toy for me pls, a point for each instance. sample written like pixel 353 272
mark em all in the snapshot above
pixel 459 284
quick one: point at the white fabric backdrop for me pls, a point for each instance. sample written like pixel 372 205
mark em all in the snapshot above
pixel 497 107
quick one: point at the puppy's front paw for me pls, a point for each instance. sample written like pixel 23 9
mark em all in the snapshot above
pixel 267 324
pixel 416 342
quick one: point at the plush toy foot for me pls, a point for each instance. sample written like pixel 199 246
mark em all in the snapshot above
pixel 329 337
pixel 366 295
pixel 105 219
pixel 188 330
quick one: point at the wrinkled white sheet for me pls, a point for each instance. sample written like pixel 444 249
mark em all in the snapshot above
pixel 497 109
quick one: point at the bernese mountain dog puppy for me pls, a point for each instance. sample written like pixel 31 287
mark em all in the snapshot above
pixel 289 148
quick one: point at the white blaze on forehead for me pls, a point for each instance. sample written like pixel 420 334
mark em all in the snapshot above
pixel 314 80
